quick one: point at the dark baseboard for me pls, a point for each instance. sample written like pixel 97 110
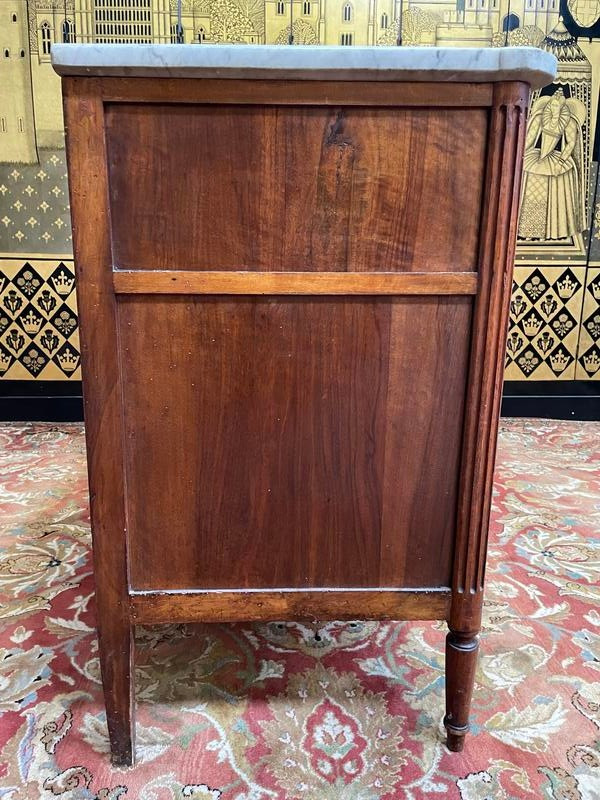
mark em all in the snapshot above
pixel 46 401
pixel 61 401
pixel 552 399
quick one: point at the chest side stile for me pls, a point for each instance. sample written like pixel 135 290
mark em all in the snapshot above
pixel 483 397
pixel 103 401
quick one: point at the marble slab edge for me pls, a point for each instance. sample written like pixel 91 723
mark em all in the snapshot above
pixel 308 62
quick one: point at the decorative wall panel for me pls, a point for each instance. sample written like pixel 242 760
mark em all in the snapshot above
pixel 588 365
pixel 553 333
pixel 588 362
pixel 39 335
pixel 34 207
pixel 544 323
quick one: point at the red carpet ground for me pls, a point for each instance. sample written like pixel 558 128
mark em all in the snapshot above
pixel 351 712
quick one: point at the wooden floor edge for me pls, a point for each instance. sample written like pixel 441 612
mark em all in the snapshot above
pixel 218 605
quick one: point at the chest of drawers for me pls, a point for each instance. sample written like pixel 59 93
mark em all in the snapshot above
pixel 293 272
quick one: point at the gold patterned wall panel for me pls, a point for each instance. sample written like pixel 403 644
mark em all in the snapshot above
pixel 34 207
pixel 39 335
pixel 588 362
pixel 551 336
pixel 544 323
pixel 588 366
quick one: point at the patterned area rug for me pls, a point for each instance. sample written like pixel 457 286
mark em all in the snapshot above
pixel 351 711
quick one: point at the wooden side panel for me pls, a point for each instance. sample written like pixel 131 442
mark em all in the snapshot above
pixel 292 442
pixel 429 343
pixel 295 188
pixel 302 448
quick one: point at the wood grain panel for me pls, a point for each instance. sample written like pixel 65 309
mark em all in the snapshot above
pixel 425 408
pixel 296 92
pixel 223 606
pixel 295 188
pixel 275 443
pixel 187 282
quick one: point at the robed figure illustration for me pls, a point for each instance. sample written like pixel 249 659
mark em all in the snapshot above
pixel 553 193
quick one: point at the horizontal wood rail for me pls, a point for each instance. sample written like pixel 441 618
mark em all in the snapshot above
pixel 255 91
pixel 320 283
pixel 241 605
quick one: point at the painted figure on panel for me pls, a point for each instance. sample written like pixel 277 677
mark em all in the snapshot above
pixel 553 204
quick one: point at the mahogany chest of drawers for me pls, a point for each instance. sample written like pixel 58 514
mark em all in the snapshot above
pixel 293 272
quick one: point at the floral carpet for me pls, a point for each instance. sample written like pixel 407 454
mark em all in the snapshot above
pixel 349 711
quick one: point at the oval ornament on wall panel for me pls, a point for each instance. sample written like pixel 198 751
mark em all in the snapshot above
pixel 584 12
pixel 581 17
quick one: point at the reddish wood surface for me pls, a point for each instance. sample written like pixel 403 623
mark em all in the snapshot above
pixel 298 92
pixel 295 188
pixel 294 431
pixel 461 663
pixel 103 404
pixel 484 392
pixel 223 606
pixel 326 455
pixel 248 282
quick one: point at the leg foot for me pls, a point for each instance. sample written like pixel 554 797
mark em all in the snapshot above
pixel 116 662
pixel 121 759
pixel 455 742
pixel 461 661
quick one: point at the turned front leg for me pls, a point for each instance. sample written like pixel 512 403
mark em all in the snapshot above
pixel 461 663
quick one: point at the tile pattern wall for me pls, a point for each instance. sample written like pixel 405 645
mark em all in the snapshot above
pixel 554 329
pixel 545 314
pixel 39 337
pixel 588 361
pixel 34 206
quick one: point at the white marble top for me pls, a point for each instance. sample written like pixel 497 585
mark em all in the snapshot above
pixel 308 62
